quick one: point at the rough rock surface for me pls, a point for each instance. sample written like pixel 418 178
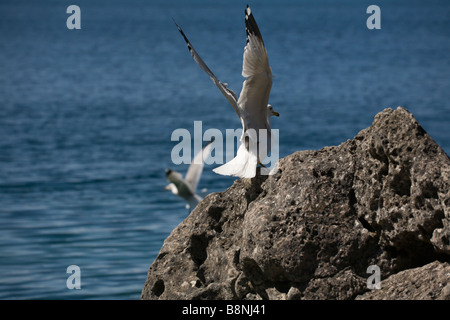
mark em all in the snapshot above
pixel 311 230
pixel 430 282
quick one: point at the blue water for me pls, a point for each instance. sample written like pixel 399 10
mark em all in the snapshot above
pixel 86 115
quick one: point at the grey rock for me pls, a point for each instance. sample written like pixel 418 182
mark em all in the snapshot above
pixel 430 282
pixel 311 230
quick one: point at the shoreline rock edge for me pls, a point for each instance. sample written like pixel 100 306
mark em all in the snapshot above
pixel 311 230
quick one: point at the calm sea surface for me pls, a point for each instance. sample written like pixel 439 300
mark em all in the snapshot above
pixel 86 116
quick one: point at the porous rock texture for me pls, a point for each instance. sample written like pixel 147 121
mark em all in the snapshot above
pixel 430 282
pixel 311 230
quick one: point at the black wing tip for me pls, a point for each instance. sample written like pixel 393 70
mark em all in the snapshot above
pixel 178 27
pixel 184 36
pixel 251 26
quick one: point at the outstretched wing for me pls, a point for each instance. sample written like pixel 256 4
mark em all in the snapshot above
pixel 195 169
pixel 228 93
pixel 255 92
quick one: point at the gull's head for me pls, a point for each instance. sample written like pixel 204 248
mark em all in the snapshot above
pixel 271 112
pixel 170 176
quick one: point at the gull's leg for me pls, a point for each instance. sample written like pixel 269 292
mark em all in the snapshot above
pixel 259 162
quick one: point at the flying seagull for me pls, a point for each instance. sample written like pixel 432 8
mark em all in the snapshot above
pixel 252 105
pixel 185 188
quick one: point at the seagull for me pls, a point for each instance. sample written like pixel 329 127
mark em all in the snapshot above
pixel 185 188
pixel 252 106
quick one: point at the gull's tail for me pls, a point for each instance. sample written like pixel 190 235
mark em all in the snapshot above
pixel 243 165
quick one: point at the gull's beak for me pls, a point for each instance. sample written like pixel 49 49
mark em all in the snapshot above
pixel 167 187
pixel 276 114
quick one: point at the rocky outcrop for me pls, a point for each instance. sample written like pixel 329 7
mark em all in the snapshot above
pixel 430 282
pixel 311 230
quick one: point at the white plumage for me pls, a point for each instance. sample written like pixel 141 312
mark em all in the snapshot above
pixel 252 106
pixel 186 188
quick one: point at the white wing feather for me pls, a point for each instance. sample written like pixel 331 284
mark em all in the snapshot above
pixel 196 168
pixel 251 107
pixel 228 93
pixel 254 96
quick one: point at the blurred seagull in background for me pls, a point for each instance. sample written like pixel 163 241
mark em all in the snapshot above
pixel 186 188
pixel 252 106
